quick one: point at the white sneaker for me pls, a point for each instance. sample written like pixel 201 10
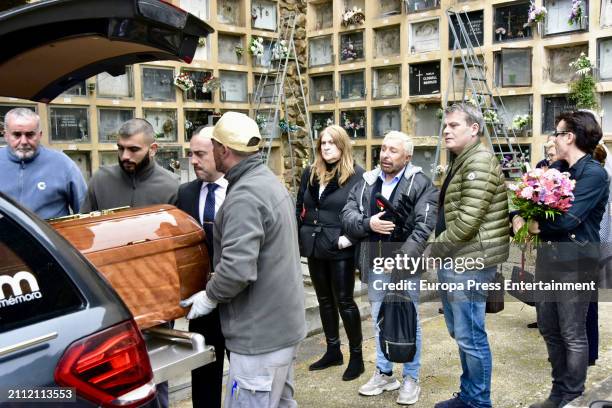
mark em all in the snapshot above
pixel 379 383
pixel 409 393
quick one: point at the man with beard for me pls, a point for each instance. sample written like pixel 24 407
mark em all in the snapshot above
pixel 137 180
pixel 202 198
pixel 44 180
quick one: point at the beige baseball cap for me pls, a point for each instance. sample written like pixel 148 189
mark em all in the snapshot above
pixel 235 130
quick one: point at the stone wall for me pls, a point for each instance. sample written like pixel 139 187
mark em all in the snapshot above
pixel 300 146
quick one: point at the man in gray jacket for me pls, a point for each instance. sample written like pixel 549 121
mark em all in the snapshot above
pixel 407 188
pixel 258 279
pixel 137 180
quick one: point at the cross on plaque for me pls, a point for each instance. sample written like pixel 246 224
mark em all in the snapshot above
pixel 419 75
pixel 260 8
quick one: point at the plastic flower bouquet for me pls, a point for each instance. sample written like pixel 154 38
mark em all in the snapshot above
pixel 183 81
pixel 536 14
pixel 520 122
pixel 353 16
pixel 210 84
pixel 576 13
pixel 541 194
pixel 280 50
pixel 256 47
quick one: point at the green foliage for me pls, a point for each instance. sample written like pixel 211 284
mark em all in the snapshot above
pixel 582 93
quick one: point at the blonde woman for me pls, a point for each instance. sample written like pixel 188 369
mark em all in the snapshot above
pixel 323 192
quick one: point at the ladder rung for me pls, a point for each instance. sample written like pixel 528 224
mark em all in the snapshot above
pixel 468 64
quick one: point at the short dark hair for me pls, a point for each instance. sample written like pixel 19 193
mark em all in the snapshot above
pixel 585 126
pixel 135 126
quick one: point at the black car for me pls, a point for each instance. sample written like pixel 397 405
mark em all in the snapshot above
pixel 61 324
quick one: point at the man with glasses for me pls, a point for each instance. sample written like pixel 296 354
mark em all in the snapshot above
pixel 46 181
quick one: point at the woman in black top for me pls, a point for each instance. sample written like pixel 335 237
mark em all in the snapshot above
pixel 323 193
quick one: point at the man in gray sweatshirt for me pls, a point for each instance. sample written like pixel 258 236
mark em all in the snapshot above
pixel 258 279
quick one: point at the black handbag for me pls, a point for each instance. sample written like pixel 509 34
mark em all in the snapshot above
pixel 397 325
pixel 495 297
pixel 521 275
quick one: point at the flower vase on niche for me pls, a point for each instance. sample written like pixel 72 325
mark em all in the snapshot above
pixel 355 133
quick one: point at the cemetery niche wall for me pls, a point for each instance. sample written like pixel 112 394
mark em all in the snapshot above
pixel 417 6
pixel 604 58
pixel 386 119
pixel 389 7
pixel 231 49
pixel 322 89
pixel 233 86
pixel 423 157
pixel 352 85
pixel 263 15
pixel 82 160
pixel 557 21
pixel 386 83
pixel 425 119
pixel 512 67
pixel 351 46
pixel 552 106
pixel 424 78
pixel 109 122
pixel 157 84
pixel 228 12
pixel 321 120
pixel 194 118
pixel 559 71
pixel 323 15
pixel 320 51
pixel 196 94
pixel 476 36
pixel 387 42
pixel 163 122
pixel 79 89
pixel 69 124
pixel 510 23
pixel 120 86
pixel 265 60
pixel 425 36
pixel 516 106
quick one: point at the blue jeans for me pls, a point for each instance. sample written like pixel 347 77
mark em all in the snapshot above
pixel 412 368
pixel 464 312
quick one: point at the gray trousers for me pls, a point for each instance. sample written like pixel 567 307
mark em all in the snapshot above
pixel 262 380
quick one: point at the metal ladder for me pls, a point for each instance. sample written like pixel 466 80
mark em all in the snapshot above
pixel 475 86
pixel 271 94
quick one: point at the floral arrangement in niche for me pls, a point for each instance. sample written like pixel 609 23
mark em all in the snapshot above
pixel 353 16
pixel 239 51
pixel 256 47
pixel 188 124
pixel 210 84
pixel 183 81
pixel 536 14
pixel 318 125
pixel 500 30
pixel 261 121
pixel 490 116
pixel 576 13
pixel 582 91
pixel 280 50
pixel 202 42
pixel 348 52
pixel 350 124
pixel 520 122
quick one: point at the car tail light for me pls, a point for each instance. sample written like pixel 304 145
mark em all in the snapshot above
pixel 110 368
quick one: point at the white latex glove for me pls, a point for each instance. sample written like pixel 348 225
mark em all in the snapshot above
pixel 200 304
pixel 344 242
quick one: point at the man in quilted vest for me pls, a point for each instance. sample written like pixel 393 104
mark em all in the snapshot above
pixel 472 231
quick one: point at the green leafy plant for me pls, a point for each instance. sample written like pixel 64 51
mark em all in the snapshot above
pixel 582 91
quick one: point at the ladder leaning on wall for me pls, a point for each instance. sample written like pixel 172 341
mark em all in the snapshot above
pixel 272 93
pixel 476 89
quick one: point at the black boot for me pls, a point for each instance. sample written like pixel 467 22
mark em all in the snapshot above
pixel 355 367
pixel 332 357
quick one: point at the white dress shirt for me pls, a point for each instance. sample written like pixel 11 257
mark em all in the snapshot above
pixel 219 196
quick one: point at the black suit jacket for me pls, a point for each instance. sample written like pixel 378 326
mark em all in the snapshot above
pixel 189 198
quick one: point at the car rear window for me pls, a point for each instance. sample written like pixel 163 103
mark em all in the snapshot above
pixel 33 286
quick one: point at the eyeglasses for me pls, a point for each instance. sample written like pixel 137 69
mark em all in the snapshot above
pixel 561 132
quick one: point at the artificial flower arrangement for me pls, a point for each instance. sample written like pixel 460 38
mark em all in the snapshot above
pixel 183 81
pixel 349 124
pixel 576 13
pixel 238 50
pixel 353 16
pixel 536 14
pixel 280 50
pixel 210 84
pixel 256 47
pixel 541 194
pixel 318 125
pixel 490 116
pixel 520 122
pixel 348 52
pixel 261 121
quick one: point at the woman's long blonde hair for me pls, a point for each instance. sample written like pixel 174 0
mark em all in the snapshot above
pixel 345 165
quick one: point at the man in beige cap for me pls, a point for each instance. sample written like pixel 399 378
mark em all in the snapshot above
pixel 258 279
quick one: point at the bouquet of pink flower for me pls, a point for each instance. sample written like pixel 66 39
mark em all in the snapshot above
pixel 541 194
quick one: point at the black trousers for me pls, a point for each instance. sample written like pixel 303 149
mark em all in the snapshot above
pixel 334 282
pixel 207 381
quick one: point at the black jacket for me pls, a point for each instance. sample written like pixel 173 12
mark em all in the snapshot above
pixel 575 234
pixel 189 198
pixel 319 219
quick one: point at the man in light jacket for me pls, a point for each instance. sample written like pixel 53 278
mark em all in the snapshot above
pixel 258 279
pixel 401 183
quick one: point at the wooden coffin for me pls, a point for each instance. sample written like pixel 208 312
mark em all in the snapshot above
pixel 152 256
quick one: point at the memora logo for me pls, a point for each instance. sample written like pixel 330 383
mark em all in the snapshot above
pixel 13 289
